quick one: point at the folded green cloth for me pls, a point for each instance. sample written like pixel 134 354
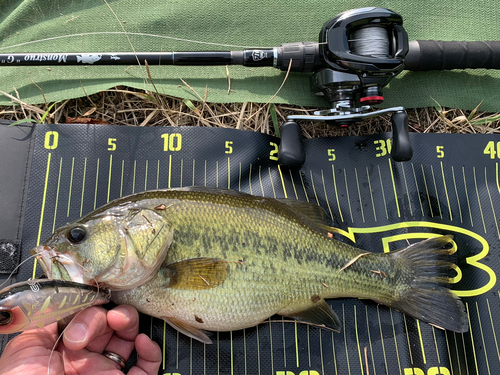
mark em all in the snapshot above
pixel 97 25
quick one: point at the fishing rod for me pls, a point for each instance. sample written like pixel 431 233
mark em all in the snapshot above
pixel 358 53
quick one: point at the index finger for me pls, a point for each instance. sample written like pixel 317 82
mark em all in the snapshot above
pixel 124 320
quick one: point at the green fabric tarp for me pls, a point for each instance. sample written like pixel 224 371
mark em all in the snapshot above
pixel 97 25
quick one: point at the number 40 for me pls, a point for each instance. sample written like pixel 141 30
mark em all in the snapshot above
pixel 492 150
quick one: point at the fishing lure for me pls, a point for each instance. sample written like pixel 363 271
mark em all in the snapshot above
pixel 36 303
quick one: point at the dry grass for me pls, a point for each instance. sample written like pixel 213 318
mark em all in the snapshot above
pixel 131 107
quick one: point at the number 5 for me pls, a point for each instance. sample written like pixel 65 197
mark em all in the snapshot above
pixel 111 144
pixel 331 154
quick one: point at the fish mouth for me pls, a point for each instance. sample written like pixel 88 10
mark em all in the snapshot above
pixel 57 265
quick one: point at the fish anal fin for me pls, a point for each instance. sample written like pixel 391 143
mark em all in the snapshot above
pixel 195 273
pixel 188 330
pixel 321 313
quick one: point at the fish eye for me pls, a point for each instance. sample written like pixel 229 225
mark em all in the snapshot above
pixel 5 317
pixel 76 234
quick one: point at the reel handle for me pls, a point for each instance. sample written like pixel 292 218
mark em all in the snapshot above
pixel 401 146
pixel 291 151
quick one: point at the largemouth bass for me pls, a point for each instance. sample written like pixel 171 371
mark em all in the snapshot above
pixel 220 260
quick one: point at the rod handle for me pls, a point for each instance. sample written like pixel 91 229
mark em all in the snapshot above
pixel 426 55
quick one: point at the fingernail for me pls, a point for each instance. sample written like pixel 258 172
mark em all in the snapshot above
pixel 122 312
pixel 76 333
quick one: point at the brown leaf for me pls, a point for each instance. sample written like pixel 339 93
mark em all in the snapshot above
pixel 85 120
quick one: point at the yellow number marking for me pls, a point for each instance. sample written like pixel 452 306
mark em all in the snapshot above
pixel 111 144
pixel 440 151
pixel 229 147
pixel 273 155
pixel 172 142
pixel 331 154
pixel 383 148
pixel 492 150
pixel 51 140
pixel 413 371
pixel 431 371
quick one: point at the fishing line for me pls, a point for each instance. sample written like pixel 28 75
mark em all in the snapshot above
pixel 59 338
pixel 130 33
pixel 15 269
pixel 125 31
pixel 370 41
pixel 72 320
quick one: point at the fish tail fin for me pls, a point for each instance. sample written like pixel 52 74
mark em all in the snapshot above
pixel 425 268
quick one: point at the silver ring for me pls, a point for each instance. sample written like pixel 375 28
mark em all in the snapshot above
pixel 115 358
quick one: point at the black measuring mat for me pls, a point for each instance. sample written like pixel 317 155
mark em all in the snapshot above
pixel 451 186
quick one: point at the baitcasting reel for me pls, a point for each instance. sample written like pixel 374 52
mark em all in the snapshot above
pixel 358 53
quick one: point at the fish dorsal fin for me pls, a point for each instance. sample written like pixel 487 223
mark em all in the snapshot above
pixel 188 330
pixel 312 215
pixel 321 313
pixel 195 273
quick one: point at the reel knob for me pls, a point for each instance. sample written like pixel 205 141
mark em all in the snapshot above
pixel 401 146
pixel 291 151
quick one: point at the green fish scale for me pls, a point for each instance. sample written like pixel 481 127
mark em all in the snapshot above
pixel 284 263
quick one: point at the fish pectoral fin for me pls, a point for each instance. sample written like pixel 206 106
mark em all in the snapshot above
pixel 195 273
pixel 188 330
pixel 321 313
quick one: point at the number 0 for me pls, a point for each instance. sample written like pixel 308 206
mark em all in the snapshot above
pixel 51 140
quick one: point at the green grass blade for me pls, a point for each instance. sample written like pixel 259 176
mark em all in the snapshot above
pixel 190 105
pixel 47 113
pixel 274 118
pixel 18 122
pixel 486 120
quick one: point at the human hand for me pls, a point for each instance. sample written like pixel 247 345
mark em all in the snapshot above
pixel 80 351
